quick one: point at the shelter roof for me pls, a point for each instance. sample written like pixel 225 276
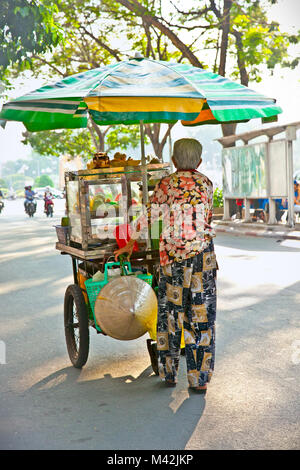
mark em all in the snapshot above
pixel 269 132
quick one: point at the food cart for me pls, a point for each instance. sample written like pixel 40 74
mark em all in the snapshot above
pixel 137 90
pixel 100 202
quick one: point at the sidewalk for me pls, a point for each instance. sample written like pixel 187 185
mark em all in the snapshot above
pixel 239 227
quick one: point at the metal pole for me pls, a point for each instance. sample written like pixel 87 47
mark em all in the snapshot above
pixel 144 174
pixel 144 167
pixel 290 135
pixel 170 152
pixel 272 206
pixel 290 183
pixel 247 210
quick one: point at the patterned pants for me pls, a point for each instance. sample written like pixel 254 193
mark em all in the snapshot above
pixel 187 300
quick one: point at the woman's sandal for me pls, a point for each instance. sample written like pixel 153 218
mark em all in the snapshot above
pixel 199 389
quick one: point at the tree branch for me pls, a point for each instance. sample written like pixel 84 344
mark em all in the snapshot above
pixel 113 52
pixel 196 13
pixel 225 33
pixel 149 43
pixel 138 9
pixel 44 61
pixel 92 132
pixel 240 60
pixel 164 140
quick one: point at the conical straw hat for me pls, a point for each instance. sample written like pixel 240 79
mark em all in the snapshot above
pixel 126 307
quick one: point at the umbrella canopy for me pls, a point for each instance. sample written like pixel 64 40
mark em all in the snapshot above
pixel 138 90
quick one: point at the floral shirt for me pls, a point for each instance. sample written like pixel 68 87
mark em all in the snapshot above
pixel 184 201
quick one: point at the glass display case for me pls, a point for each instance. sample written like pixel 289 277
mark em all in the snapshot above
pixel 98 201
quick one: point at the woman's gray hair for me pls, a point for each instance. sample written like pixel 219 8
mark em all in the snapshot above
pixel 187 154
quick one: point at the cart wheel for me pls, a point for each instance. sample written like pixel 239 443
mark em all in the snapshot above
pixel 152 349
pixel 76 326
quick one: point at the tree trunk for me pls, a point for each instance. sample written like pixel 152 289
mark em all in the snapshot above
pixel 228 129
pixel 240 59
pixel 97 135
pixel 225 33
pixel 153 132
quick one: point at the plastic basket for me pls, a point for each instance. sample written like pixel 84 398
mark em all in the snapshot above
pixel 146 277
pixel 62 234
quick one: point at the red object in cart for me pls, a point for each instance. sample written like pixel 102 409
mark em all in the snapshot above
pixel 122 234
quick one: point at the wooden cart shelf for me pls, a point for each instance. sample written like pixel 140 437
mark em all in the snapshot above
pixel 140 257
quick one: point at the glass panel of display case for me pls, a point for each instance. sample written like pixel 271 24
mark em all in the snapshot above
pixel 136 200
pixel 107 209
pixel 72 194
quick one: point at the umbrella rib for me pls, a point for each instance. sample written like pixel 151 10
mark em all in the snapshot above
pixel 106 75
pixel 184 77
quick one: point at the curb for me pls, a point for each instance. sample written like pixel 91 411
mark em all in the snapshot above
pixel 258 233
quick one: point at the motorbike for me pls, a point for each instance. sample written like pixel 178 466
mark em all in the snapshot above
pixel 49 208
pixel 30 207
pixel 1 206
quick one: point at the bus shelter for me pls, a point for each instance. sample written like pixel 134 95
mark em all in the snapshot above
pixel 260 170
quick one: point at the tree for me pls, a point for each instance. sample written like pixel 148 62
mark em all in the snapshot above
pixel 232 38
pixel 237 30
pixel 42 181
pixel 56 143
pixel 17 181
pixel 81 142
pixel 81 51
pixel 27 27
pixel 3 183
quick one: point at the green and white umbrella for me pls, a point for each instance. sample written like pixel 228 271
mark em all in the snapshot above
pixel 138 90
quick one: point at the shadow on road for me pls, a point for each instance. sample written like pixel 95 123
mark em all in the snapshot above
pixel 107 413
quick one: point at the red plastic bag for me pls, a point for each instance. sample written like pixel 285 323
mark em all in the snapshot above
pixel 122 234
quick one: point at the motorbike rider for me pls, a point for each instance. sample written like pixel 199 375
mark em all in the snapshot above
pixel 48 198
pixel 29 196
pixel 1 202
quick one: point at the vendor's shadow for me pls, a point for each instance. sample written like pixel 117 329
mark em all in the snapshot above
pixel 116 412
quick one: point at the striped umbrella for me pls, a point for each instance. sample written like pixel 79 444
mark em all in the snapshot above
pixel 138 90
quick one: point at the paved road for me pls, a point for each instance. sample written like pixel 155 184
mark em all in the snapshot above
pixel 115 401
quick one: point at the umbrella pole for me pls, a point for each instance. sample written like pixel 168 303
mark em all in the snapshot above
pixel 144 168
pixel 144 171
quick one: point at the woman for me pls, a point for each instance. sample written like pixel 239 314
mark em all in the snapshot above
pixel 187 289
pixel 296 197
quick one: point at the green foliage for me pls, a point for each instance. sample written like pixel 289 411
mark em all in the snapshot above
pixel 262 41
pixel 3 183
pixel 218 197
pixel 123 137
pixel 30 167
pixel 43 180
pixel 17 181
pixel 80 143
pixel 99 32
pixel 26 28
pixel 64 142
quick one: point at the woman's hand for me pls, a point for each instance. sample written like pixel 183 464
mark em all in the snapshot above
pixel 126 249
